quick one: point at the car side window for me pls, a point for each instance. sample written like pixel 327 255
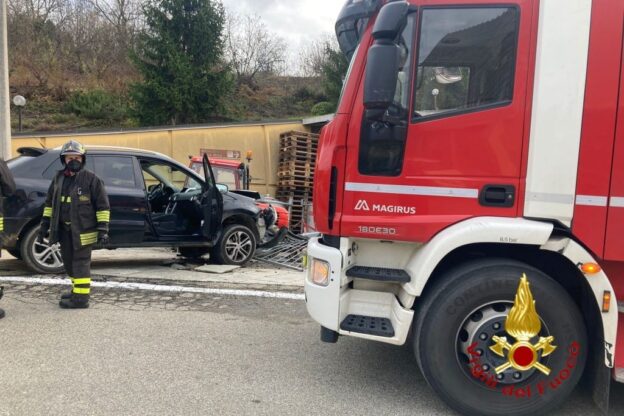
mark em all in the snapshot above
pixel 115 170
pixel 56 165
pixel 156 172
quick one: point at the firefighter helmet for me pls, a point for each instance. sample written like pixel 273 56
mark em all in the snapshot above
pixel 72 147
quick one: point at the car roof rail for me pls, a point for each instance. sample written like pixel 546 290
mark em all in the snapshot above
pixel 31 151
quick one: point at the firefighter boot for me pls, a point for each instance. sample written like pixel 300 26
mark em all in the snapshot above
pixel 81 288
pixel 68 294
pixel 75 301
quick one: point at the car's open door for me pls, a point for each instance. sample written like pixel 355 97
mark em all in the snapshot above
pixel 212 204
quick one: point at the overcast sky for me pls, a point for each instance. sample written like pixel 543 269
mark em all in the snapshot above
pixel 297 21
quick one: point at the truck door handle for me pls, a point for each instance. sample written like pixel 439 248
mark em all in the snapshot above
pixel 497 196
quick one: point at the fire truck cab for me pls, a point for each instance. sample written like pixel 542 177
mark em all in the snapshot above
pixel 469 193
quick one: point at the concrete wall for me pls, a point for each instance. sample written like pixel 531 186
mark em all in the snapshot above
pixel 179 143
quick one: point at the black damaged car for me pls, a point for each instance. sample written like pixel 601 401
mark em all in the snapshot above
pixel 155 202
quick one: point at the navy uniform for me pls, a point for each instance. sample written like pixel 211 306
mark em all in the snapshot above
pixel 76 214
pixel 7 188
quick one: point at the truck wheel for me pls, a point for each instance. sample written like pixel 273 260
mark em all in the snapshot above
pixel 236 246
pixel 465 344
pixel 41 258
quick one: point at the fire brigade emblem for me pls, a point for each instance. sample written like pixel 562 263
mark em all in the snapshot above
pixel 523 323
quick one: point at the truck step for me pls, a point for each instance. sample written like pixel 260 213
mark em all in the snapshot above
pixel 368 325
pixel 379 273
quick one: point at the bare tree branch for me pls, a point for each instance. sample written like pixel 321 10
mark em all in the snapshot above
pixel 252 49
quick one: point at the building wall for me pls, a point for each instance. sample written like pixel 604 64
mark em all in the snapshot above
pixel 180 143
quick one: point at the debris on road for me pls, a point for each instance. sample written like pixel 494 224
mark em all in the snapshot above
pixel 288 253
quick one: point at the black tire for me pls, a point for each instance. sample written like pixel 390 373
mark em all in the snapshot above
pixel 193 252
pixel 225 251
pixel 471 302
pixel 15 253
pixel 41 258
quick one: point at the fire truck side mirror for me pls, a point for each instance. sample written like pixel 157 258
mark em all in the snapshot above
pixel 391 20
pixel 385 57
pixel 382 69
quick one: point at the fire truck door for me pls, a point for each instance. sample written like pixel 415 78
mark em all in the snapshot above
pixel 450 146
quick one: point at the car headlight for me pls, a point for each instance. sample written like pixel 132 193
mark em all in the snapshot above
pixel 261 226
pixel 319 271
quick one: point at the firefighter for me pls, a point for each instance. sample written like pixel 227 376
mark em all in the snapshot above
pixel 7 188
pixel 76 214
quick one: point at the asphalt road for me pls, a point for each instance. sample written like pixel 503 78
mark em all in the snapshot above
pixel 145 353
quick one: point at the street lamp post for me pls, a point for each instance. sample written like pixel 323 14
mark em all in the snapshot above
pixel 19 102
pixel 5 101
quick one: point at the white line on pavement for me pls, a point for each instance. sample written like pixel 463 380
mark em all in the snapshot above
pixel 158 288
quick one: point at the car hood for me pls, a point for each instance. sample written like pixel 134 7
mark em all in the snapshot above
pixel 231 200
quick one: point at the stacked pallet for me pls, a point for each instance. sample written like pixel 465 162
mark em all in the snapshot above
pixel 295 173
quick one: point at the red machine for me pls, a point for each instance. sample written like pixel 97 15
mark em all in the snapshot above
pixel 470 194
pixel 236 176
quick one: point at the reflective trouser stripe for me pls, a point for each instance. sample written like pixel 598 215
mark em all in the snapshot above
pixel 81 285
pixel 47 212
pixel 103 216
pixel 1 223
pixel 88 238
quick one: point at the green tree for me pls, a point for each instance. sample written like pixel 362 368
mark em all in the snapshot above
pixel 333 72
pixel 180 58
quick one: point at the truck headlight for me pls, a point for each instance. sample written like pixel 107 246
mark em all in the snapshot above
pixel 320 272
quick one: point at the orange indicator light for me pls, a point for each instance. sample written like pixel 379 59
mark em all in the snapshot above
pixel 606 301
pixel 590 268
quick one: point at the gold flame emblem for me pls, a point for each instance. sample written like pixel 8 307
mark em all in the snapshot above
pixel 523 323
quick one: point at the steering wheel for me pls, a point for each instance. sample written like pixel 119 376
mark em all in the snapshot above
pixel 159 195
pixel 154 192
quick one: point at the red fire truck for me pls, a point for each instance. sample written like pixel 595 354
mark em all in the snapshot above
pixel 470 196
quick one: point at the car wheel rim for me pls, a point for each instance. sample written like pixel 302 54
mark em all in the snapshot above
pixel 238 246
pixel 476 334
pixel 48 256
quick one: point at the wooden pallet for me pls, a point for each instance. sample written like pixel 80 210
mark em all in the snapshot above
pixel 297 161
pixel 296 164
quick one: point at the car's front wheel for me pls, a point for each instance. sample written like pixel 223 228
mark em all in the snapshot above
pixel 41 257
pixel 236 246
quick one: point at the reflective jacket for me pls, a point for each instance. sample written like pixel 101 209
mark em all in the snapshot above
pixel 90 209
pixel 7 188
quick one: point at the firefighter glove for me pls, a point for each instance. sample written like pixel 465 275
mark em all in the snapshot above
pixel 103 238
